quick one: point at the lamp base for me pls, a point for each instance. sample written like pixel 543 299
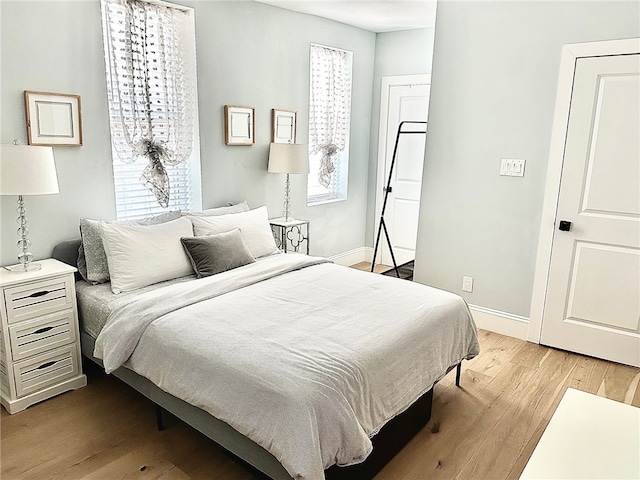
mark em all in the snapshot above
pixel 19 268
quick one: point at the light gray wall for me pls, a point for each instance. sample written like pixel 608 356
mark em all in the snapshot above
pixel 494 80
pixel 248 54
pixel 406 52
pixel 56 47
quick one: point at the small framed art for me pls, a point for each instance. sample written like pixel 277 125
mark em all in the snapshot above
pixel 53 119
pixel 239 125
pixel 283 126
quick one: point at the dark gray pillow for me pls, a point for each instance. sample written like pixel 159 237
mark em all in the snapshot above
pixel 212 254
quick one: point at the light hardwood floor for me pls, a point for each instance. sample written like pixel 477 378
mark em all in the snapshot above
pixel 366 266
pixel 486 429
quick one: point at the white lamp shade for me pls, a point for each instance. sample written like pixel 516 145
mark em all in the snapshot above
pixel 27 170
pixel 288 158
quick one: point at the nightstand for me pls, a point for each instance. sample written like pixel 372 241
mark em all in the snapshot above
pixel 290 234
pixel 39 339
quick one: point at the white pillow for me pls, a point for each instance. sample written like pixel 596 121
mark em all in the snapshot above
pixel 142 255
pixel 254 226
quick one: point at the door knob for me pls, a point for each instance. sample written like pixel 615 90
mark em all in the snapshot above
pixel 564 226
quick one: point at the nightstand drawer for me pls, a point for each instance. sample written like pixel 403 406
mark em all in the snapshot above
pixel 45 333
pixel 38 298
pixel 44 370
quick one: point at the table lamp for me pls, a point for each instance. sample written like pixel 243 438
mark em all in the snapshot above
pixel 26 170
pixel 288 158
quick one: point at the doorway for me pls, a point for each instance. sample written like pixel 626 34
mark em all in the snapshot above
pixel 403 98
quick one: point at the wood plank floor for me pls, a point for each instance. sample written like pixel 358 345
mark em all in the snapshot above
pixel 486 429
pixel 366 266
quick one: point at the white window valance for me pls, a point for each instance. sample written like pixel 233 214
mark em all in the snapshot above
pixel 329 106
pixel 150 86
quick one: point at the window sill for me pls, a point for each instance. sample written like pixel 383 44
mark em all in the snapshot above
pixel 324 201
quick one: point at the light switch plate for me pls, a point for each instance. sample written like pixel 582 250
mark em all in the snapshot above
pixel 512 167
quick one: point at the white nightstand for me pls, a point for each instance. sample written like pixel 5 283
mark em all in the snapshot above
pixel 39 340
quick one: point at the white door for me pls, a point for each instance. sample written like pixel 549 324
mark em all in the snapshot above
pixel 403 99
pixel 592 303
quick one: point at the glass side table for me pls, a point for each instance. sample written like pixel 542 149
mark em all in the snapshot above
pixel 290 235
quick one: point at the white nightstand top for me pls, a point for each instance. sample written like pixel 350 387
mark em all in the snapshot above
pixel 50 268
pixel 281 222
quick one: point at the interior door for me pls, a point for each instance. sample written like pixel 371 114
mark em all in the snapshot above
pixel 406 102
pixel 592 304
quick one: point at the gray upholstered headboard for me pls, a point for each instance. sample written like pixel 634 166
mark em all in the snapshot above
pixel 67 252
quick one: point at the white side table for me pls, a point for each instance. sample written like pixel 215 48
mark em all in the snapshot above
pixel 290 234
pixel 588 437
pixel 39 339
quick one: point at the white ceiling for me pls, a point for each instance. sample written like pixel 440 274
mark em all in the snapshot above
pixel 373 15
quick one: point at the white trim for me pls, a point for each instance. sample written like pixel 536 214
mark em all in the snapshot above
pixel 175 6
pixel 503 323
pixel 570 53
pixel 313 44
pixel 351 257
pixel 385 87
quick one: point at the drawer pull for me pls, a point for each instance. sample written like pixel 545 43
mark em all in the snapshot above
pixel 41 293
pixel 43 329
pixel 48 364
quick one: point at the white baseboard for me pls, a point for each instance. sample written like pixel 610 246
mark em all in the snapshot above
pixel 500 322
pixel 357 255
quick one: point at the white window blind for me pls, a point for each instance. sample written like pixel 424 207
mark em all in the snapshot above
pixel 329 123
pixel 150 63
pixel 133 200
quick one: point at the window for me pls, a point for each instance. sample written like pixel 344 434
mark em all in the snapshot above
pixel 151 85
pixel 329 121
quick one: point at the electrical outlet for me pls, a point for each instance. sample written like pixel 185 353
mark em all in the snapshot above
pixel 467 284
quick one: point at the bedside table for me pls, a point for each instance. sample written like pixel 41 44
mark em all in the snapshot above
pixel 290 232
pixel 39 339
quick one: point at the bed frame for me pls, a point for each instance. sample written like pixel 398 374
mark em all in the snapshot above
pixel 387 442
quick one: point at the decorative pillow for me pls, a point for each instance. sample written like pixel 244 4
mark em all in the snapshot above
pixel 237 208
pixel 140 255
pixel 92 260
pixel 217 253
pixel 254 226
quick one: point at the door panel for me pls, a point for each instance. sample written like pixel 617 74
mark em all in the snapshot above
pixel 613 162
pixel 593 292
pixel 405 232
pixel 586 291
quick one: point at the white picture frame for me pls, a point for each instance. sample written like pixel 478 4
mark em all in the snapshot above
pixel 53 119
pixel 283 126
pixel 239 125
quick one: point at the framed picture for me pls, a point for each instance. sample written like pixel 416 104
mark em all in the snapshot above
pixel 239 125
pixel 53 119
pixel 283 126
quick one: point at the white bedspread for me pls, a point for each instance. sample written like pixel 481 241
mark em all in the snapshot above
pixel 306 358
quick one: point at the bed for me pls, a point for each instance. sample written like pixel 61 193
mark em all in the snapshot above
pixel 301 368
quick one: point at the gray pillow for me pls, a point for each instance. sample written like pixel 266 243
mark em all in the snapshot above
pixel 237 208
pixel 92 259
pixel 212 254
